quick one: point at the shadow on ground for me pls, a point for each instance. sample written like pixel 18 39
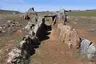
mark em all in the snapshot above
pixel 44 32
pixel 42 35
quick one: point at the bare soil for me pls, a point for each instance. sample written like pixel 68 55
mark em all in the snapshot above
pixel 84 25
pixel 53 51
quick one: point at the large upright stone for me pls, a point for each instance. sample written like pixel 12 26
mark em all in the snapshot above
pixel 91 52
pixel 68 35
pixel 88 49
pixel 75 39
pixel 31 10
pixel 31 13
pixel 84 45
pixel 62 11
pixel 61 16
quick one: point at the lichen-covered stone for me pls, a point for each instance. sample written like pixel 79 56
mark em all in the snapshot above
pixel 68 35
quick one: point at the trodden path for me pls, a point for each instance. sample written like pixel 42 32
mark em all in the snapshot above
pixel 53 51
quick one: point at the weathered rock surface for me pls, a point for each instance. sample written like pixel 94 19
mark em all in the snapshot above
pixel 68 35
pixel 22 53
pixel 14 56
pixel 88 49
pixel 31 13
pixel 31 10
pixel 61 16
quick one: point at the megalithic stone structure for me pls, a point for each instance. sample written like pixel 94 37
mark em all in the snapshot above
pixel 69 36
pixel 26 47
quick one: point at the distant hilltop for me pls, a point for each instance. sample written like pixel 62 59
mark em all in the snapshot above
pixel 9 12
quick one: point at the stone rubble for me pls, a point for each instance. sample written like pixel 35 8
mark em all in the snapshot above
pixel 9 27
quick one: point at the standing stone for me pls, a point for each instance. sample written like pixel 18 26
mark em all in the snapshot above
pixel 91 53
pixel 84 46
pixel 75 40
pixel 68 35
pixel 31 10
pixel 14 56
pixel 28 26
pixel 88 49
pixel 61 15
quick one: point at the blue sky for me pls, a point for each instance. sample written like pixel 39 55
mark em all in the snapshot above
pixel 43 5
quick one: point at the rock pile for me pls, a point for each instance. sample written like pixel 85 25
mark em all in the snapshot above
pixel 61 15
pixel 31 10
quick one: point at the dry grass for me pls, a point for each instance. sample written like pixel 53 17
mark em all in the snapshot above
pixel 7 42
pixel 82 13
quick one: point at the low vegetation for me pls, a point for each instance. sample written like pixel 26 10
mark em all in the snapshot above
pixel 82 13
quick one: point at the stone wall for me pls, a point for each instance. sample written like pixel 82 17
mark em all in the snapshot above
pixel 69 36
pixel 22 52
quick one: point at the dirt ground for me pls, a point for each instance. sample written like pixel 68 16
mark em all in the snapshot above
pixel 85 27
pixel 53 51
pixel 85 34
